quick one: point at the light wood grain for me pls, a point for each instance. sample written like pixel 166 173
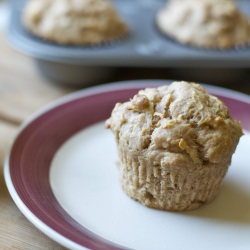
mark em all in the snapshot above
pixel 22 92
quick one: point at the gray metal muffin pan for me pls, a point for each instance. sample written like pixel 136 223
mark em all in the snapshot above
pixel 145 46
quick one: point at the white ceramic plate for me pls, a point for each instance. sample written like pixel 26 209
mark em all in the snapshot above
pixel 61 173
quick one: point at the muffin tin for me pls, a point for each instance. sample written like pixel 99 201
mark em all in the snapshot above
pixel 145 46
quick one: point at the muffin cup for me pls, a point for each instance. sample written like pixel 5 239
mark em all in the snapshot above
pixel 172 39
pixel 105 42
pixel 171 187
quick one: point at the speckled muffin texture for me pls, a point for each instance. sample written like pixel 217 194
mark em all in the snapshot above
pixel 79 22
pixel 205 23
pixel 175 145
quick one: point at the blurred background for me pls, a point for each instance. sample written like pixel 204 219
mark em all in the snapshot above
pixel 144 61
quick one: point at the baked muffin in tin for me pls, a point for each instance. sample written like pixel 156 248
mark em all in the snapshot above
pixel 75 22
pixel 215 24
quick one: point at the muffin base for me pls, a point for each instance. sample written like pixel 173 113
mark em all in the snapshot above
pixel 172 188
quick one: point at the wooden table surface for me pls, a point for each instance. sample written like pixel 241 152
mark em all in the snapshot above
pixel 22 92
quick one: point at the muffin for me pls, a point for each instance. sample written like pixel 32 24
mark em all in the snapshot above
pixel 175 145
pixel 204 23
pixel 78 22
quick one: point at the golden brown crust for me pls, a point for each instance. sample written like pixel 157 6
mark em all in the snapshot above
pixel 74 22
pixel 205 23
pixel 175 144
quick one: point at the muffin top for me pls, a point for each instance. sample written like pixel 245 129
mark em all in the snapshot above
pixel 205 23
pixel 74 21
pixel 180 123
